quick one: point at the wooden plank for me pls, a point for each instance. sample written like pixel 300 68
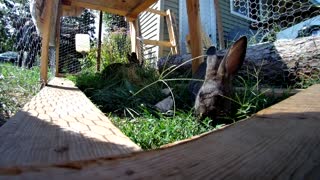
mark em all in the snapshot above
pixel 60 124
pixel 219 25
pixel 157 43
pixel 274 92
pixel 46 28
pixel 193 10
pixel 130 9
pixel 134 32
pixel 71 10
pixel 280 142
pixel 59 14
pixel 171 31
pixel 114 7
pixel 154 11
pixel 142 6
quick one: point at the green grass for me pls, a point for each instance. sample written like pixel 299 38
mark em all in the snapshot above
pixel 17 87
pixel 151 132
pixel 128 93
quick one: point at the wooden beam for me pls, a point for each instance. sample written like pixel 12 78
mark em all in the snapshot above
pixel 71 10
pixel 157 43
pixel 219 24
pixel 99 5
pixel 193 9
pixel 134 32
pixel 134 13
pixel 171 31
pixel 99 41
pixel 58 25
pixel 154 11
pixel 45 42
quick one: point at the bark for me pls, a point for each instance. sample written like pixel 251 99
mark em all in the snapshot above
pixel 281 63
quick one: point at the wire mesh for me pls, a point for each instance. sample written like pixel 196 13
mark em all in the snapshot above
pixel 69 58
pixel 281 20
pixel 25 41
pixel 271 20
pixel 20 35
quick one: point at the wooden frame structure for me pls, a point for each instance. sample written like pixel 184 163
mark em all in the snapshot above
pixel 280 142
pixel 130 9
pixel 170 20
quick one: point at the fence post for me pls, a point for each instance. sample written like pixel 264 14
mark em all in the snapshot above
pixel 99 42
pixel 58 26
pixel 134 31
pixel 193 9
pixel 45 42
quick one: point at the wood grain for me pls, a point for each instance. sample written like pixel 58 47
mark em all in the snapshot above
pixel 46 28
pixel 128 8
pixel 193 10
pixel 280 142
pixel 60 124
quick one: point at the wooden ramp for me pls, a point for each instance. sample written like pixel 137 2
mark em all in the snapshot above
pixel 60 124
pixel 280 142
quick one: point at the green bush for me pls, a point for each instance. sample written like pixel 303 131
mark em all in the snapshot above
pixel 115 48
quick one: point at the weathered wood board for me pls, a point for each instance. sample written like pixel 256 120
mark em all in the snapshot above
pixel 280 142
pixel 60 124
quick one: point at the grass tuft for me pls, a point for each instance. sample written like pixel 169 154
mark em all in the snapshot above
pixel 17 87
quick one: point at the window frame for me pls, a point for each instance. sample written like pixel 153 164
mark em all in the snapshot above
pixel 248 10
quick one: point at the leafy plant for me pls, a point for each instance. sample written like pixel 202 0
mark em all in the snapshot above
pixel 115 48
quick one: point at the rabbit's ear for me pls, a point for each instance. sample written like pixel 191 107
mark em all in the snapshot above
pixel 234 58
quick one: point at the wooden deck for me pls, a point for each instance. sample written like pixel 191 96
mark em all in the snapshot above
pixel 280 142
pixel 60 124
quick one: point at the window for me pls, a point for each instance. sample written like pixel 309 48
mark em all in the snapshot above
pixel 248 9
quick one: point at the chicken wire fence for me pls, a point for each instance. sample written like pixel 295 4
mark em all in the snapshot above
pixel 115 41
pixel 270 20
pixel 274 20
pixel 22 42
pixel 267 21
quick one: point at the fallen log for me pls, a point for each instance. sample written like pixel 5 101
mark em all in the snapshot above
pixel 281 63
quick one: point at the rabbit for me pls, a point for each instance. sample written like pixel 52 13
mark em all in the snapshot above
pixel 210 95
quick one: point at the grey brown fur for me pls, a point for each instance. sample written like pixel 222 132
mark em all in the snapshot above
pixel 210 96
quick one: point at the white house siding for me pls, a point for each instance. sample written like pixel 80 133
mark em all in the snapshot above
pixel 150 29
pixel 208 21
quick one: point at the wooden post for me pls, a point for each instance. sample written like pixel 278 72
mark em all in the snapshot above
pixel 172 34
pixel 99 42
pixel 58 26
pixel 193 9
pixel 134 31
pixel 45 42
pixel 219 24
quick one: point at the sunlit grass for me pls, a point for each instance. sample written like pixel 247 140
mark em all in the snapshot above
pixel 17 87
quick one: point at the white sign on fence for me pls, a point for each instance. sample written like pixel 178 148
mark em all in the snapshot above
pixel 82 43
